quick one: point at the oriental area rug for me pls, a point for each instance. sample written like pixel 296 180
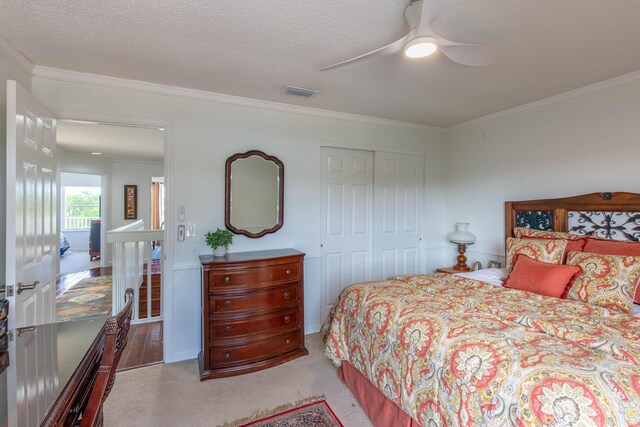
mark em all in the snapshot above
pixel 89 297
pixel 313 412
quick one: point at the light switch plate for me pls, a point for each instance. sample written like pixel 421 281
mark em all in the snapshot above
pixel 191 230
pixel 181 233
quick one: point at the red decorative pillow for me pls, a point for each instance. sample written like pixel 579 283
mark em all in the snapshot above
pixel 543 279
pixel 613 247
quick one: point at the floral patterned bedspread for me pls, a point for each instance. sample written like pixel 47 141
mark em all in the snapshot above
pixel 455 351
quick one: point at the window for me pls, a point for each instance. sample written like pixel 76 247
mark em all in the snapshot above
pixel 81 205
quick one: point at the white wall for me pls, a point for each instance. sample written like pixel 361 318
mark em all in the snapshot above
pixel 589 143
pixel 8 71
pixel 78 240
pixel 70 179
pixel 132 173
pixel 117 173
pixel 206 133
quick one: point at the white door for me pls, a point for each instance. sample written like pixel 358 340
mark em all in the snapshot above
pixel 347 190
pixel 34 357
pixel 32 229
pixel 398 206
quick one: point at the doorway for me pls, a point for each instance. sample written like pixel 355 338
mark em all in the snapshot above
pixel 124 156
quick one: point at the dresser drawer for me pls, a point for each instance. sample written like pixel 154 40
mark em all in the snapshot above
pixel 254 325
pixel 255 302
pixel 255 351
pixel 252 277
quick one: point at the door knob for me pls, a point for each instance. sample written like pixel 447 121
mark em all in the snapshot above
pixel 22 287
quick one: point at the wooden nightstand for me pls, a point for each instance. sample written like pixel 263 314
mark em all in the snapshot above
pixel 448 270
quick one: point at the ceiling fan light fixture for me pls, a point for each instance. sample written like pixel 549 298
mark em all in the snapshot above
pixel 420 47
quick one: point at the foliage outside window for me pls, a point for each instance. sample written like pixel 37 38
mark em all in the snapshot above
pixel 81 205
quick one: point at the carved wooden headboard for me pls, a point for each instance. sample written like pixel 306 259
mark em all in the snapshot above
pixel 604 215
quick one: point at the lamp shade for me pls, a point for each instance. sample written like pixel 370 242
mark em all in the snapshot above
pixel 462 234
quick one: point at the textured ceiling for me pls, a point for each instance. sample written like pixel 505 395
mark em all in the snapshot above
pixel 114 142
pixel 254 48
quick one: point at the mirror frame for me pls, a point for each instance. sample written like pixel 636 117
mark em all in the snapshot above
pixel 227 194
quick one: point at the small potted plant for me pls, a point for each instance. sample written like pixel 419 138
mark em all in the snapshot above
pixel 219 241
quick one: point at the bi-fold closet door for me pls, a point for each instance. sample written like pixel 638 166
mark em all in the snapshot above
pixel 372 205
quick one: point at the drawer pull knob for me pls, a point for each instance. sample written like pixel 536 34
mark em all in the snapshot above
pixel 287 341
pixel 288 272
pixel 227 330
pixel 227 305
pixel 227 280
pixel 287 319
pixel 227 355
pixel 287 295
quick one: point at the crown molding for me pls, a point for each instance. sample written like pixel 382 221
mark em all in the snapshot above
pixel 585 90
pixel 51 73
pixel 59 74
pixel 16 56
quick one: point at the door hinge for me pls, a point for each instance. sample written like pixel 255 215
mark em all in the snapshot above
pixel 10 334
pixel 9 290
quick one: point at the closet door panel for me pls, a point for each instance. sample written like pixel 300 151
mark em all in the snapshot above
pixel 346 221
pixel 398 208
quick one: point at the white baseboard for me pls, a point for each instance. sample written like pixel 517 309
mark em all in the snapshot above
pixel 184 355
pixel 311 329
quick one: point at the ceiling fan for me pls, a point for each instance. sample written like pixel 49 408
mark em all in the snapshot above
pixel 421 42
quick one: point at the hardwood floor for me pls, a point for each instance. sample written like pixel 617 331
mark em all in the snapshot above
pixel 144 346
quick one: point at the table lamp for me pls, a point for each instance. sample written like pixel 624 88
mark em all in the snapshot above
pixel 463 238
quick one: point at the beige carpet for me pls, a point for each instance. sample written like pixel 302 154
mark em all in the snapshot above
pixel 172 394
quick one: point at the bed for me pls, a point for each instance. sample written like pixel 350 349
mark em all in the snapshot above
pixel 449 350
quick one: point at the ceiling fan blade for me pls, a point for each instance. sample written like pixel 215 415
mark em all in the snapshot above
pixel 473 55
pixel 431 10
pixel 385 50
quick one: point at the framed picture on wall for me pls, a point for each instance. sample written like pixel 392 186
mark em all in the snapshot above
pixel 130 202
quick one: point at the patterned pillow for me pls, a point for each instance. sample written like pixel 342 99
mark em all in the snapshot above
pixel 614 247
pixel 521 232
pixel 574 243
pixel 606 280
pixel 550 251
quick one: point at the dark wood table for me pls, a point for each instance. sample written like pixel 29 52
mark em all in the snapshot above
pixel 51 371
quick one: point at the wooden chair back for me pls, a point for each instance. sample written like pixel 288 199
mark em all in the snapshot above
pixel 116 332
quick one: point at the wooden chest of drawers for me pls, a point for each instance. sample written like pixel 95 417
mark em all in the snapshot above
pixel 252 311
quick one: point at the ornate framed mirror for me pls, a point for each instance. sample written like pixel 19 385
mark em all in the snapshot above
pixel 254 194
